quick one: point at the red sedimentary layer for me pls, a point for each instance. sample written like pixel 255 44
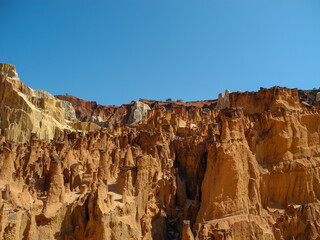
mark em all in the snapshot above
pixel 88 110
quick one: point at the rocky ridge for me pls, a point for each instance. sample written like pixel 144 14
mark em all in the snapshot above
pixel 244 168
pixel 107 116
pixel 25 111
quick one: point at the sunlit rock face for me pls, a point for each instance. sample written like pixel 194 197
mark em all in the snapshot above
pixel 247 169
pixel 8 70
pixel 138 112
pixel 25 111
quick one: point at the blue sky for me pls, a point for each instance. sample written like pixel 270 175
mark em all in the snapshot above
pixel 116 51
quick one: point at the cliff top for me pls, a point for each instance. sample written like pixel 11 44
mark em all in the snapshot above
pixel 8 70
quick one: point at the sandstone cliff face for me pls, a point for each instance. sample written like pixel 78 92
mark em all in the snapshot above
pixel 107 116
pixel 246 170
pixel 138 112
pixel 93 112
pixel 8 70
pixel 25 111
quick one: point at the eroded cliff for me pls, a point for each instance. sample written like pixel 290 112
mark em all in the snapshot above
pixel 245 167
pixel 25 111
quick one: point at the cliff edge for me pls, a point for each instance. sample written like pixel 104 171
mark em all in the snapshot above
pixel 244 166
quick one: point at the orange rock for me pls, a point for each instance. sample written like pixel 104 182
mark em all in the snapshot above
pixel 242 167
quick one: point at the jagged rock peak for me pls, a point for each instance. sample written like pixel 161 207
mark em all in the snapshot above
pixel 223 101
pixel 25 111
pixel 9 70
pixel 247 169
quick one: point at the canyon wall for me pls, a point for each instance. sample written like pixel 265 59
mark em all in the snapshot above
pixel 243 167
pixel 108 116
pixel 25 111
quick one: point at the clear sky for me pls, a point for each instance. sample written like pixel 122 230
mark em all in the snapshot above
pixel 117 51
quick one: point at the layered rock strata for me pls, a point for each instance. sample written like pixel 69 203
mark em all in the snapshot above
pixel 25 111
pixel 108 116
pixel 245 170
